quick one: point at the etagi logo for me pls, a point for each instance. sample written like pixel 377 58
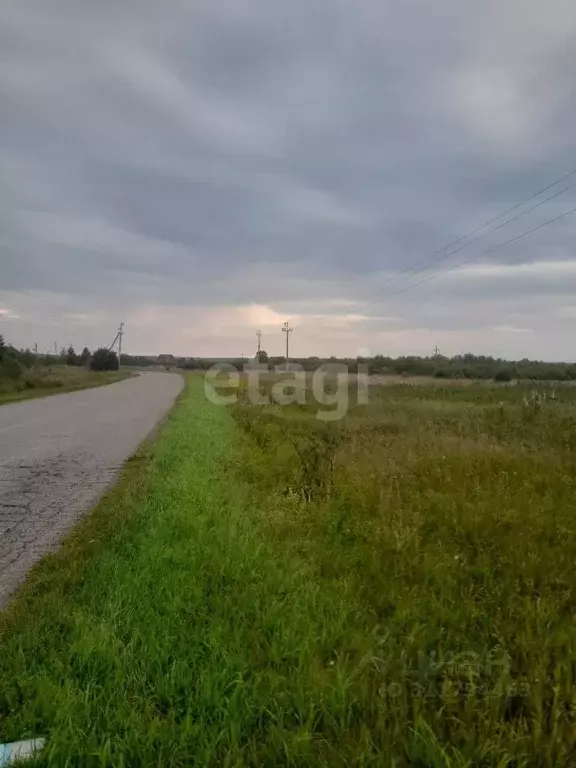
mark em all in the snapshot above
pixel 330 385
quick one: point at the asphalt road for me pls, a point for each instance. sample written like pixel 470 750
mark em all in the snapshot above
pixel 59 454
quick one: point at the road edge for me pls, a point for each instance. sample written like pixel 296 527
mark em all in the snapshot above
pixel 60 571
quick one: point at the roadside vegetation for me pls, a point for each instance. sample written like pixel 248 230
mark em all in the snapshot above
pixel 264 588
pixel 25 375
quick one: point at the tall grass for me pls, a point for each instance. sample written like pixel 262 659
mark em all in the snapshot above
pixel 264 589
pixel 448 516
pixel 53 380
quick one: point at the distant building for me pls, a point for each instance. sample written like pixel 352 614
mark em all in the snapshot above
pixel 166 360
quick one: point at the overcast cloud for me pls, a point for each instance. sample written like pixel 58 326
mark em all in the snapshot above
pixel 203 168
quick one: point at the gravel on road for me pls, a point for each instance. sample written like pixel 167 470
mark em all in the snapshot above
pixel 59 454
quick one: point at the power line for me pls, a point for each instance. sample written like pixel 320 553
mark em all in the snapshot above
pixel 495 229
pixel 418 267
pixel 482 253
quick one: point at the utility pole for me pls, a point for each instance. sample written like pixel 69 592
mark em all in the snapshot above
pixel 118 338
pixel 436 351
pixel 56 349
pixel 258 336
pixel 35 348
pixel 287 330
pixel 120 334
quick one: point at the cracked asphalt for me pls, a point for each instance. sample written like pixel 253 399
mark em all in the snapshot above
pixel 59 454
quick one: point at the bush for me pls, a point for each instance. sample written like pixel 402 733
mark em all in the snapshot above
pixel 41 381
pixel 503 375
pixel 104 360
pixel 10 368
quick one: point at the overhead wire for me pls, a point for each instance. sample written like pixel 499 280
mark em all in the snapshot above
pixel 495 229
pixel 482 253
pixel 441 253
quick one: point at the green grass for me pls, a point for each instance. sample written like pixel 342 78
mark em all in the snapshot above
pixel 263 589
pixel 55 380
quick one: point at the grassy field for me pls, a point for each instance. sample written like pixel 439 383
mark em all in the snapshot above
pixel 55 380
pixel 264 588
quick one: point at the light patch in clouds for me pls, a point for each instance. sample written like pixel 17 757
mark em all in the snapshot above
pixel 260 316
pixel 511 329
pixel 507 280
pixel 537 269
pixel 565 313
pixel 8 314
pixel 348 320
pixel 494 104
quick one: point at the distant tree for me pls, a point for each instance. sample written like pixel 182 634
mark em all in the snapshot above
pixel 503 375
pixel 104 360
pixel 2 347
pixel 262 356
pixel 71 357
pixel 10 367
pixel 84 356
pixel 26 357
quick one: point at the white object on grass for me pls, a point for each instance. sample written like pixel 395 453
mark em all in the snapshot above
pixel 19 750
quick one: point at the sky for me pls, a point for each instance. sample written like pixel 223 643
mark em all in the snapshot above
pixel 201 169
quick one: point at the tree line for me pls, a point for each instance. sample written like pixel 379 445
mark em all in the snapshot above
pixel 14 362
pixel 466 366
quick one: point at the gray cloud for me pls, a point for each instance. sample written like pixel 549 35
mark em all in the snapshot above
pixel 176 161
